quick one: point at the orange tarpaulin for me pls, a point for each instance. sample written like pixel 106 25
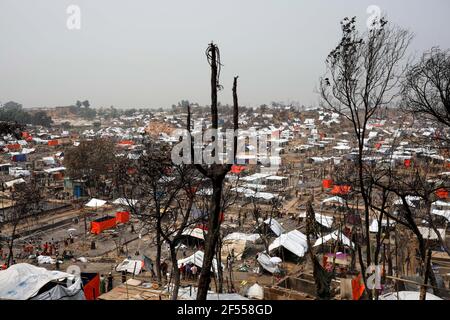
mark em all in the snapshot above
pixel 53 143
pixel 341 190
pixel 14 147
pixel 97 226
pixel 237 169
pixel 327 183
pixel 357 287
pixel 442 193
pixel 126 142
pixel 122 216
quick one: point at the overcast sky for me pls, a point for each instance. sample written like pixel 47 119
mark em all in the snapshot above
pixel 146 53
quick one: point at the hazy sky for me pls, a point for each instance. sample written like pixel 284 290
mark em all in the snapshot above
pixel 146 53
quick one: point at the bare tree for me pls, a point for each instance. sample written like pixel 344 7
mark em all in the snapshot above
pixel 27 200
pixel 215 172
pixel 426 88
pixel 363 73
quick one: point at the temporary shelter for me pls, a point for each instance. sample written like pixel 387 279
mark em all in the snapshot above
pixel 130 266
pixel 335 235
pixel 275 226
pixel 197 259
pixel 24 281
pixel 122 217
pixel 104 223
pixel 195 233
pixel 91 285
pixel 294 241
pixel 95 203
pixel 325 221
pixel 236 243
pixel 125 202
pixel 265 262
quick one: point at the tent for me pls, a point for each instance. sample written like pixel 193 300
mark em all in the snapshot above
pixel 91 285
pixel 254 237
pixel 95 203
pixel 24 281
pixel 125 202
pixel 122 217
pixel 98 225
pixel 195 233
pixel 335 235
pixel 294 241
pixel 264 260
pixel 130 266
pixel 275 226
pixel 325 221
pixel 197 259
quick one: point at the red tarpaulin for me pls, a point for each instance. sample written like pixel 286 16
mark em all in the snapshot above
pixel 407 163
pixel 13 147
pixel 327 183
pixel 126 142
pixel 91 285
pixel 122 216
pixel 237 169
pixel 377 145
pixel 442 193
pixel 341 190
pixel 357 287
pixel 53 143
pixel 97 226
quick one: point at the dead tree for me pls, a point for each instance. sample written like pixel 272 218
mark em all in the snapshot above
pixel 27 201
pixel 215 172
pixel 322 277
pixel 362 76
pixel 426 88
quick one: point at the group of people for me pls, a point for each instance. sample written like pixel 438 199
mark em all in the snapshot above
pixel 188 271
pixel 106 283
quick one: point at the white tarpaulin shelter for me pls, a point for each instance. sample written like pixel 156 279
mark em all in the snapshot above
pixel 95 203
pixel 334 199
pixel 335 235
pixel 125 202
pixel 197 259
pixel 325 221
pixel 23 281
pixel 294 241
pixel 275 226
pixel 130 266
pixel 11 183
pixel 254 237
pixel 407 295
pixel 195 233
pixel 428 233
pixel 264 261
